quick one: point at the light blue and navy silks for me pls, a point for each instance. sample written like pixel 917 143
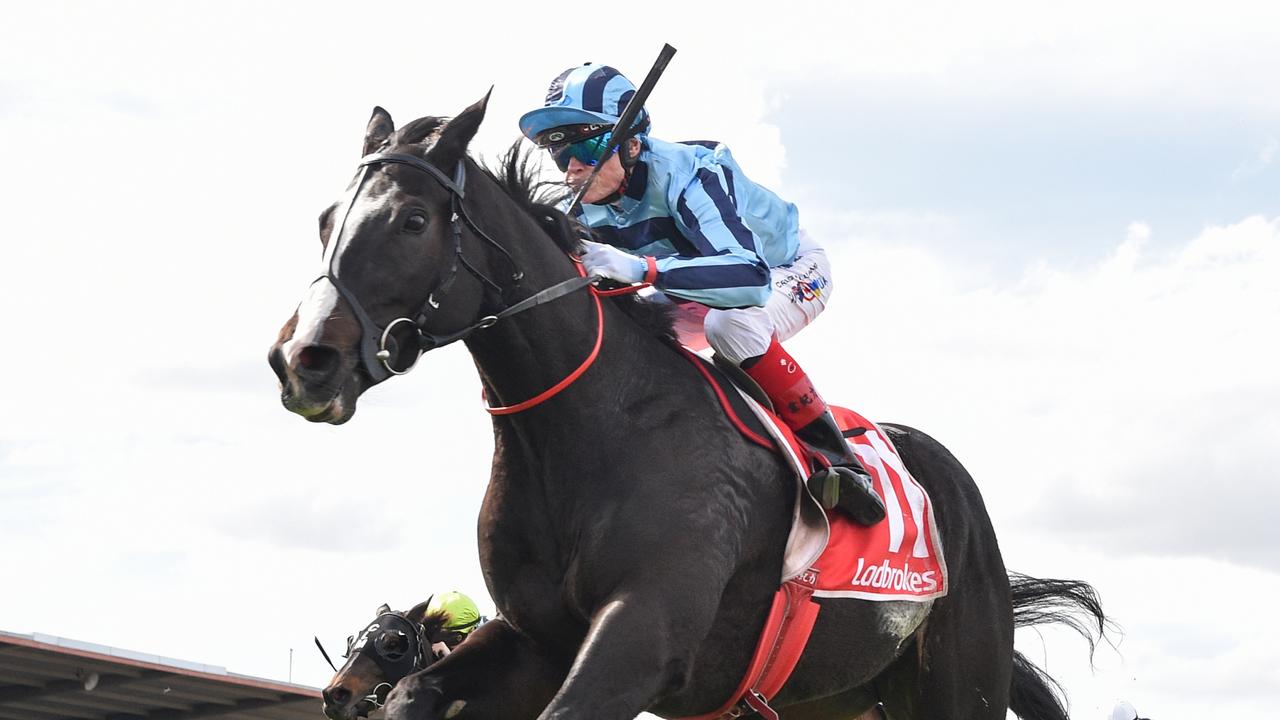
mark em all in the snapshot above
pixel 715 233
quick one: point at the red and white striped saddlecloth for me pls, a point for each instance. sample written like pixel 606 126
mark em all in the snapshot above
pixel 897 559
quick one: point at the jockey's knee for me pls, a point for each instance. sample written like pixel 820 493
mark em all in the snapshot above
pixel 738 334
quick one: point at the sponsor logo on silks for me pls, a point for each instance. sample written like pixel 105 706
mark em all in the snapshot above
pixel 885 577
pixel 807 287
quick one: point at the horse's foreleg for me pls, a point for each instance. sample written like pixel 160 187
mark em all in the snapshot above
pixel 640 647
pixel 496 674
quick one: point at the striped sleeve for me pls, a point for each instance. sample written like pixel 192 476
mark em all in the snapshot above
pixel 728 271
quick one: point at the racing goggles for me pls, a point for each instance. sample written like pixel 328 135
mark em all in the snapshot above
pixel 586 149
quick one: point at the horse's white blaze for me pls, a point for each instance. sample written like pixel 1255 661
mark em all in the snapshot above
pixel 316 307
pixel 322 297
pixel 362 208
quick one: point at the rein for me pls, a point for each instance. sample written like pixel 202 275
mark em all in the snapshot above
pixel 554 390
pixel 379 359
pixel 375 359
pixel 380 347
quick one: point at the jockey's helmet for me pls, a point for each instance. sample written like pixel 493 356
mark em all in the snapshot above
pixel 462 612
pixel 582 97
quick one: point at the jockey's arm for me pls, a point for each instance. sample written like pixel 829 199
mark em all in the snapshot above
pixel 729 271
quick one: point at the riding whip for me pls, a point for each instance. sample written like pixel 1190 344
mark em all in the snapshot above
pixel 634 105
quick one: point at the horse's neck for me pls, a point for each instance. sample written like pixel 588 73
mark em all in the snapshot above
pixel 557 465
pixel 525 354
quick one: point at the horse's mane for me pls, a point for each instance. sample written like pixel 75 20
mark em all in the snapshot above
pixel 433 624
pixel 517 174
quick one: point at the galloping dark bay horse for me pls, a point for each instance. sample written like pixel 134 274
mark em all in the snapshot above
pixel 630 537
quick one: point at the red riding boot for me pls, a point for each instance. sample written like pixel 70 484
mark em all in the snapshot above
pixel 844 483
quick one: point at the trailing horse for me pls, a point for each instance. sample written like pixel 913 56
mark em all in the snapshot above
pixel 630 536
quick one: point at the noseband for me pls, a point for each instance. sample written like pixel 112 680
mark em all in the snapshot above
pixel 379 347
pixel 394 666
pixel 375 354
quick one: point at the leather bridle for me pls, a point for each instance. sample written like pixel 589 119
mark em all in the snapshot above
pixel 394 664
pixel 380 347
pixel 375 355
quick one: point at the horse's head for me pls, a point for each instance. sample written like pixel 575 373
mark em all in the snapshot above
pixel 402 272
pixel 390 648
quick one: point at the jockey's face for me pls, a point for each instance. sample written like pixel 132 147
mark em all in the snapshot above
pixel 608 180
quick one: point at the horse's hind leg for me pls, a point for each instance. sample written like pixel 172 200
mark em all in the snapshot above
pixel 965 670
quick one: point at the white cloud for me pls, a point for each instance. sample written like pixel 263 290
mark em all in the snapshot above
pixel 1138 233
pixel 1118 415
pixel 1117 348
pixel 1095 52
pixel 1268 151
pixel 1122 420
pixel 1257 164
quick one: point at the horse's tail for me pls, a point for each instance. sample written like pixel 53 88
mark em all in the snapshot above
pixel 1033 694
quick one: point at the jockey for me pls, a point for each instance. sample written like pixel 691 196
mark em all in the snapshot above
pixel 728 252
pixel 462 617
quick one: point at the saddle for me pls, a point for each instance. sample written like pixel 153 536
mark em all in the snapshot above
pixel 828 555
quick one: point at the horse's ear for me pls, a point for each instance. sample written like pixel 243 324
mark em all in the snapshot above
pixel 379 129
pixel 382 609
pixel 419 611
pixel 457 133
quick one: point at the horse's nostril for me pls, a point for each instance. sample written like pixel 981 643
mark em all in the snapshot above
pixel 317 360
pixel 275 358
pixel 337 696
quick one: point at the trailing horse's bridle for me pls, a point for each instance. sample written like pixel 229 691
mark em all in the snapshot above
pixel 394 663
pixel 403 337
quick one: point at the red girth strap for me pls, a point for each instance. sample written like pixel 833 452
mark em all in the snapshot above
pixel 783 640
pixel 791 617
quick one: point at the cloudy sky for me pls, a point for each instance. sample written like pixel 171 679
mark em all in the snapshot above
pixel 1056 230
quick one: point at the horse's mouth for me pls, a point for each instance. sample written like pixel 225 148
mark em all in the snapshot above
pixel 335 411
pixel 361 709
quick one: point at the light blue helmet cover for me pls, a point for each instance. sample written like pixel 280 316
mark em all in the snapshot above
pixel 583 95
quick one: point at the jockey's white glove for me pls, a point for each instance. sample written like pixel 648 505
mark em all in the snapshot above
pixel 610 262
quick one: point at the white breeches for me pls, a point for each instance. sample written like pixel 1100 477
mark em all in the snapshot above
pixel 800 292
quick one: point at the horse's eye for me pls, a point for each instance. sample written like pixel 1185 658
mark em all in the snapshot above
pixel 393 645
pixel 415 223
